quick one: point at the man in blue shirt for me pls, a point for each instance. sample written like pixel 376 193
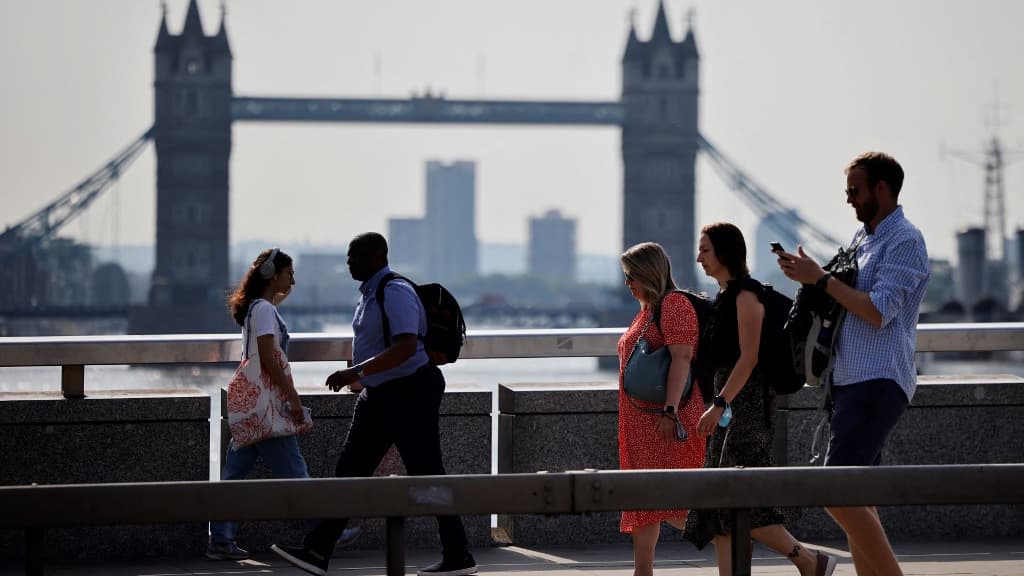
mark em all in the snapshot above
pixel 398 405
pixel 874 376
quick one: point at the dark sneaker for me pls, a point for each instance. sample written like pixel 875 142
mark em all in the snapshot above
pixel 226 551
pixel 349 536
pixel 447 567
pixel 826 565
pixel 303 558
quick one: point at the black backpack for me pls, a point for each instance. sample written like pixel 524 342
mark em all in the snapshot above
pixel 775 354
pixel 813 324
pixel 446 328
pixel 700 364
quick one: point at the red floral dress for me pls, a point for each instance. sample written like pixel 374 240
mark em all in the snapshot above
pixel 640 445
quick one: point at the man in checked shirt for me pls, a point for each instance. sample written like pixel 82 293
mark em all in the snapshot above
pixel 874 375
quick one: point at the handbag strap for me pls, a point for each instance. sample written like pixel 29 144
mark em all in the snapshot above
pixel 248 329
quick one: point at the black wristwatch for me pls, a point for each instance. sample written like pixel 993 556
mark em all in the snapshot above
pixel 359 372
pixel 668 409
pixel 720 402
pixel 822 282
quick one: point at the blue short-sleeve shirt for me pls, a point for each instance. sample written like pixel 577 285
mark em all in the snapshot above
pixel 405 315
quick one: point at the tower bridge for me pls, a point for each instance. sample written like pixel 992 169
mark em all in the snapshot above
pixel 195 108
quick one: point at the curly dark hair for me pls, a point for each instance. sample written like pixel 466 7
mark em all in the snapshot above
pixel 252 284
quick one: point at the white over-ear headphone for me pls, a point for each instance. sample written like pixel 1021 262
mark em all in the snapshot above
pixel 267 268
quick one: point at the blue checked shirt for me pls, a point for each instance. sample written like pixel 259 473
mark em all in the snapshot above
pixel 405 315
pixel 894 271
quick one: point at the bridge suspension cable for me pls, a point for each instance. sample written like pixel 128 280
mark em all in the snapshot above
pixel 45 223
pixel 786 221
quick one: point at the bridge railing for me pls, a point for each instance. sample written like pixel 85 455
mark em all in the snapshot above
pixel 738 490
pixel 72 354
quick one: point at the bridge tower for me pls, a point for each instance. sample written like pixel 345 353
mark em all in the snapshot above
pixel 660 86
pixel 192 133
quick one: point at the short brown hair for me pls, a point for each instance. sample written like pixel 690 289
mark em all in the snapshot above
pixel 880 167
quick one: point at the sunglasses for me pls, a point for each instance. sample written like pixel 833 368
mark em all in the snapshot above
pixel 629 278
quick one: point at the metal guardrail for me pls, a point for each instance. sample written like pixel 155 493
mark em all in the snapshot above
pixel 74 353
pixel 36 508
pixel 739 490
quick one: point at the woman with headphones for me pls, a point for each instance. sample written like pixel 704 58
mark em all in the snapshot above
pixel 253 306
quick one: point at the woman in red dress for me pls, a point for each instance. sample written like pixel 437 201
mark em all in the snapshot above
pixel 647 431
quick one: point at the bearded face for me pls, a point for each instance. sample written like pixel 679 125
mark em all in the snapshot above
pixel 861 195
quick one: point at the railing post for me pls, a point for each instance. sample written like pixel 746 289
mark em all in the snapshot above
pixel 72 381
pixel 741 547
pixel 34 550
pixel 395 541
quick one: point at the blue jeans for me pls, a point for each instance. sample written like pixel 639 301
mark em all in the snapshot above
pixel 281 455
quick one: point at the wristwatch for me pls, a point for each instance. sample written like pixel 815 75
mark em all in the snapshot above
pixel 720 402
pixel 359 372
pixel 822 282
pixel 668 409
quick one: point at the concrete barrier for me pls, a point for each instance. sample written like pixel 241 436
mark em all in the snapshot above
pixel 554 428
pixel 953 420
pixel 465 441
pixel 122 436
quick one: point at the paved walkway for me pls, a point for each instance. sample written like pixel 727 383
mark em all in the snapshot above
pixel 997 558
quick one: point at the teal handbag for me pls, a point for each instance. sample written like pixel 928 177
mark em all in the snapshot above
pixel 645 376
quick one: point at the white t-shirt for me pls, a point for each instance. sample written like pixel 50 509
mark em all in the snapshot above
pixel 264 320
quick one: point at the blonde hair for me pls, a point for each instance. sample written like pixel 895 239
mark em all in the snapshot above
pixel 649 266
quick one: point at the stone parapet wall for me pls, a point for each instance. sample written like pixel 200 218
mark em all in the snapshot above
pixel 465 442
pixel 122 436
pixel 953 420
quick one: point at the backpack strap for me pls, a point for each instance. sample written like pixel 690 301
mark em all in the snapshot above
pixel 384 322
pixel 248 328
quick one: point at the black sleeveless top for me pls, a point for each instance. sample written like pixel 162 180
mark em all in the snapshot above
pixel 723 329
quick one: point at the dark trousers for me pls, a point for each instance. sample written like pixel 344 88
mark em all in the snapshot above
pixel 404 413
pixel 863 416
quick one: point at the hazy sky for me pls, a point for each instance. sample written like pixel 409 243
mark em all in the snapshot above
pixel 790 89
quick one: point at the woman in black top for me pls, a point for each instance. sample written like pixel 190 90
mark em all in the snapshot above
pixel 740 420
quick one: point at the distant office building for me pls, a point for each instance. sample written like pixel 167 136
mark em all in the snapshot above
pixel 941 286
pixel 450 223
pixel 998 280
pixel 971 271
pixel 1017 293
pixel 407 245
pixel 1019 250
pixel 552 253
pixel 323 279
pixel 775 227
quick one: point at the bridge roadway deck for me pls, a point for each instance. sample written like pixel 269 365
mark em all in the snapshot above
pixel 938 558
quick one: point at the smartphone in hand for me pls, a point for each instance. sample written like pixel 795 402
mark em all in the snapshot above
pixel 777 247
pixel 680 431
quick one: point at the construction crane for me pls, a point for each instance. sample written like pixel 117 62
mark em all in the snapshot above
pixel 993 160
pixel 785 220
pixel 47 221
pixel 22 246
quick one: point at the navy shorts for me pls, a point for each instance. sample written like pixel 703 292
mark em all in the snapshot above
pixel 863 416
